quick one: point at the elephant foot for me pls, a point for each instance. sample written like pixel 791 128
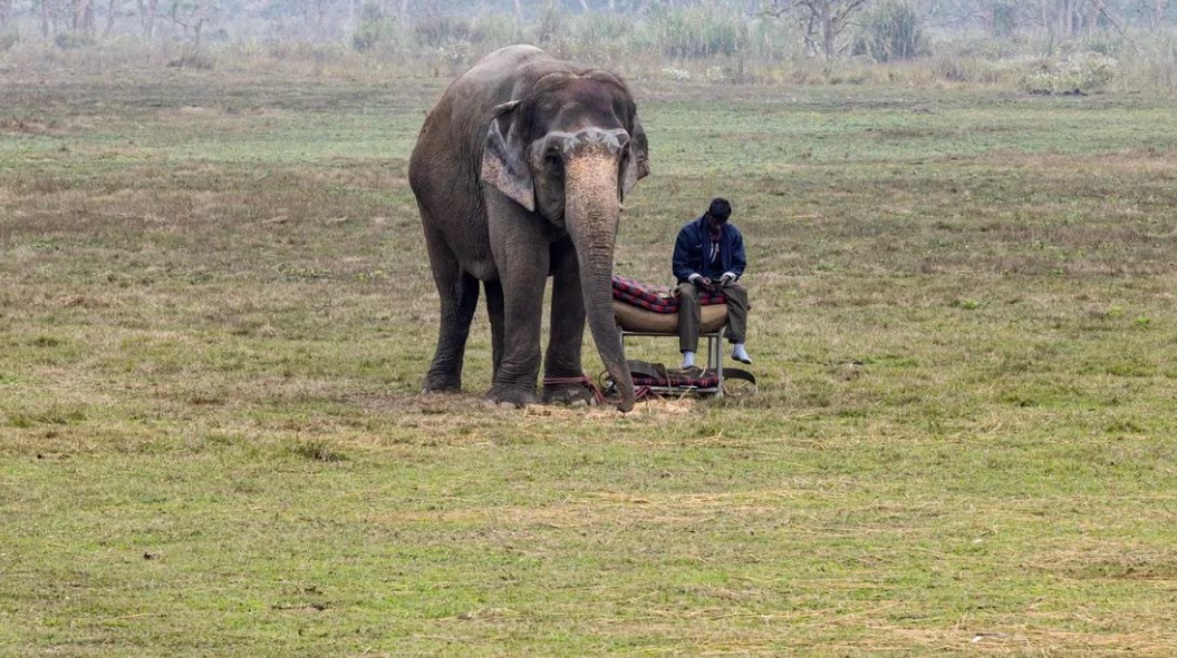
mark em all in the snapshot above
pixel 504 394
pixel 571 393
pixel 438 383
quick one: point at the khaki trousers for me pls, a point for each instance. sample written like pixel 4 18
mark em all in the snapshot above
pixel 690 316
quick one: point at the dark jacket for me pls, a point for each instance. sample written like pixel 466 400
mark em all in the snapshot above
pixel 692 251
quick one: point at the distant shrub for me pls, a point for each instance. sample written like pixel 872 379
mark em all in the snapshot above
pixel 1086 72
pixel 1152 60
pixel 1002 71
pixel 992 49
pixel 192 58
pixel 698 32
pixel 775 40
pixel 500 30
pixel 595 31
pixel 891 32
pixel 1006 16
pixel 73 40
pixel 552 26
pixel 950 68
pixel 1104 46
pixel 458 54
pixel 439 31
pixel 718 74
pixel 289 50
pixel 372 29
pixel 8 39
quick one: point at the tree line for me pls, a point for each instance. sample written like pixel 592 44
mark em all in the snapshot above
pixel 826 28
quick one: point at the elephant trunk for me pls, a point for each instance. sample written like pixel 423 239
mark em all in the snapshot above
pixel 591 213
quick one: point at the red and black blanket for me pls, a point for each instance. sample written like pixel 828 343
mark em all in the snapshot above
pixel 658 299
pixel 657 375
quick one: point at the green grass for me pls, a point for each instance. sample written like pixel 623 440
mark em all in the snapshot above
pixel 215 315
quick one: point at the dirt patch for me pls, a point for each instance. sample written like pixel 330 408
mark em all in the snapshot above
pixel 1112 564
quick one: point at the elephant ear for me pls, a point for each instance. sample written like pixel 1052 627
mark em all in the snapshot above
pixel 503 163
pixel 637 165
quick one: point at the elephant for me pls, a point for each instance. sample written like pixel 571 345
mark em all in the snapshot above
pixel 519 172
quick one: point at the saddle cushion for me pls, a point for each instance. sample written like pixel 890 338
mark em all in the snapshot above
pixel 654 309
pixel 633 318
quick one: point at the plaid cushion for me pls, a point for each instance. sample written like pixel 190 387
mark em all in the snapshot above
pixel 658 299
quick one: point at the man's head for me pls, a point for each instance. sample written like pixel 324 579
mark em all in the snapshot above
pixel 718 212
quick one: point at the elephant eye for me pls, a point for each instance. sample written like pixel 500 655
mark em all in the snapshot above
pixel 553 162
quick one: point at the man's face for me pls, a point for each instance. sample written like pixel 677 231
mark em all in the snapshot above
pixel 713 223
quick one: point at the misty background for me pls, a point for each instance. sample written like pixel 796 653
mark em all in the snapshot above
pixel 1048 46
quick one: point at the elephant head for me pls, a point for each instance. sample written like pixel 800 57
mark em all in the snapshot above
pixel 570 150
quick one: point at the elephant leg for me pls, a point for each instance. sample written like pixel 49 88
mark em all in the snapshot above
pixel 515 376
pixel 521 255
pixel 494 307
pixel 563 372
pixel 458 292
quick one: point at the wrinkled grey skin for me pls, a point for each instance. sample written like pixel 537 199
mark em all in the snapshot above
pixel 519 173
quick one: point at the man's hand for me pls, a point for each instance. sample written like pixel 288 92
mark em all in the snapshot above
pixel 727 279
pixel 701 281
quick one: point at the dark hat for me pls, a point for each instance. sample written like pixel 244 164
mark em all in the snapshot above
pixel 720 209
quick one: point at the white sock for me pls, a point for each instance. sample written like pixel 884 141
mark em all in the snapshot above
pixel 688 360
pixel 738 352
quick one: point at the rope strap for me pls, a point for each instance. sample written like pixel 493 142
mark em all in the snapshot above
pixel 583 380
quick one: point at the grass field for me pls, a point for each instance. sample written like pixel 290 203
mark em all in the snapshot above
pixel 215 314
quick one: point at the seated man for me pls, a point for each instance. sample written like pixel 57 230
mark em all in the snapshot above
pixel 709 256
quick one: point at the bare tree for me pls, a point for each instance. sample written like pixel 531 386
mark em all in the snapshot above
pixel 314 14
pixel 147 13
pixel 191 16
pixel 822 20
pixel 55 13
pixel 1070 18
pixel 109 19
pixel 83 16
pixel 1095 10
pixel 1155 12
pixel 1162 7
pixel 999 17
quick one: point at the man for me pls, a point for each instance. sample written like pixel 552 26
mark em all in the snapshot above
pixel 709 257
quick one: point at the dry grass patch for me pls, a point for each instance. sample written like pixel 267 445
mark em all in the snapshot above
pixel 1111 561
